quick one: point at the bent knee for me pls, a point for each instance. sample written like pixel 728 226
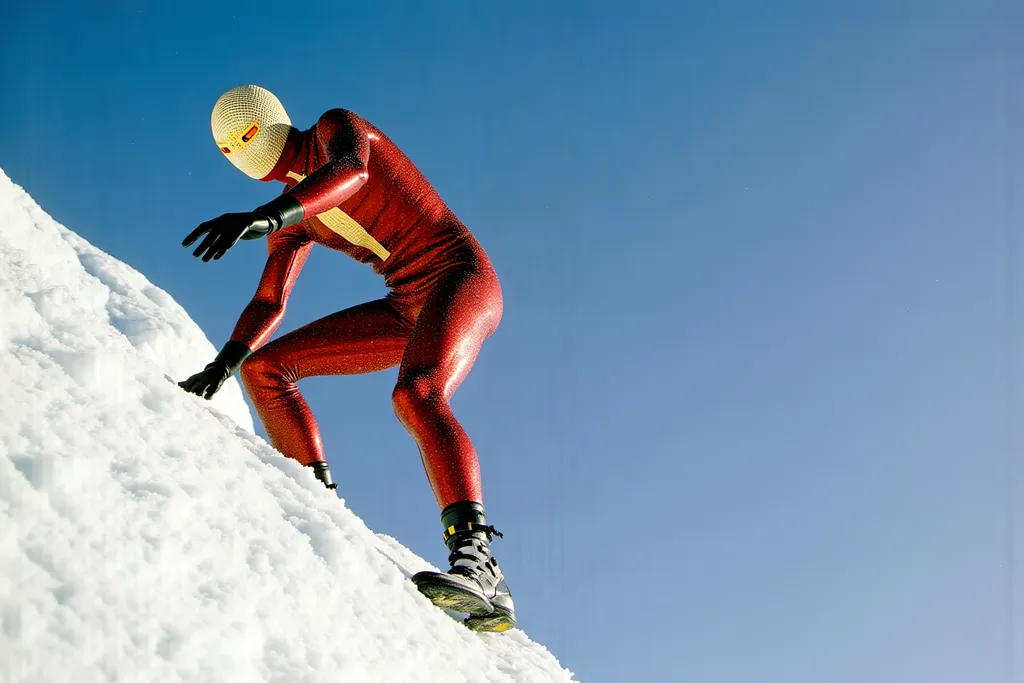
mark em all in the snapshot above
pixel 261 367
pixel 410 396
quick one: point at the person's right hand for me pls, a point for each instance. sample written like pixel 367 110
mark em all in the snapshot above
pixel 208 381
pixel 223 232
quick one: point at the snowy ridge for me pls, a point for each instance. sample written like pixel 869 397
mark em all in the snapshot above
pixel 148 535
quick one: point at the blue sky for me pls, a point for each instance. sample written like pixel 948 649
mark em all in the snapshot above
pixel 750 413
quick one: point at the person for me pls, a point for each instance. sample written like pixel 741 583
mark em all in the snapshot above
pixel 349 188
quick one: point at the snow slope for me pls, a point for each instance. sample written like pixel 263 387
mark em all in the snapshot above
pixel 148 535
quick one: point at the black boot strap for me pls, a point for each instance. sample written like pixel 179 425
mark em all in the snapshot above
pixel 470 526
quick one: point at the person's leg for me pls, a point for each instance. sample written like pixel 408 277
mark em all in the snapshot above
pixel 458 315
pixel 365 338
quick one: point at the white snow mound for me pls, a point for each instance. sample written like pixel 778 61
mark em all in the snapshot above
pixel 149 535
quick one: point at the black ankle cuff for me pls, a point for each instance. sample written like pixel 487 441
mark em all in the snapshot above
pixel 465 511
pixel 322 471
pixel 465 520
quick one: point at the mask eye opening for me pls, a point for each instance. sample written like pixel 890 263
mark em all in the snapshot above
pixel 251 132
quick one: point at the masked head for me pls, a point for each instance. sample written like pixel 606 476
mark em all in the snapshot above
pixel 251 127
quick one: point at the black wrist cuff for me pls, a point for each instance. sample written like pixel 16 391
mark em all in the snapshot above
pixel 233 355
pixel 283 211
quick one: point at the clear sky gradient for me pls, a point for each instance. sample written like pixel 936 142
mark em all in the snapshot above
pixel 750 413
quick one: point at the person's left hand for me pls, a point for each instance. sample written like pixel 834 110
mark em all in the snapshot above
pixel 207 381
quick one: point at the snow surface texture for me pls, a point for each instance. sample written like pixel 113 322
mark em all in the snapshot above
pixel 149 535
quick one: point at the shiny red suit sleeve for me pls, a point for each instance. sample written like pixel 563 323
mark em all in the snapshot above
pixel 347 149
pixel 443 300
pixel 263 315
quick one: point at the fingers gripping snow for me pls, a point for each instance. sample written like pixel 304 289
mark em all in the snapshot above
pixel 207 382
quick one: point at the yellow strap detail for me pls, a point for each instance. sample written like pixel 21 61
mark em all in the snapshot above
pixel 348 227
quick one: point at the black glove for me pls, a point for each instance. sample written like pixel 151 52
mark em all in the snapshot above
pixel 225 231
pixel 210 379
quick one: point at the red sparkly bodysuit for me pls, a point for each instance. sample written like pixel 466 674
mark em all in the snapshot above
pixel 362 196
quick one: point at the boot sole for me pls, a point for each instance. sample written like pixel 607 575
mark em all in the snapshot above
pixel 447 594
pixel 496 622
